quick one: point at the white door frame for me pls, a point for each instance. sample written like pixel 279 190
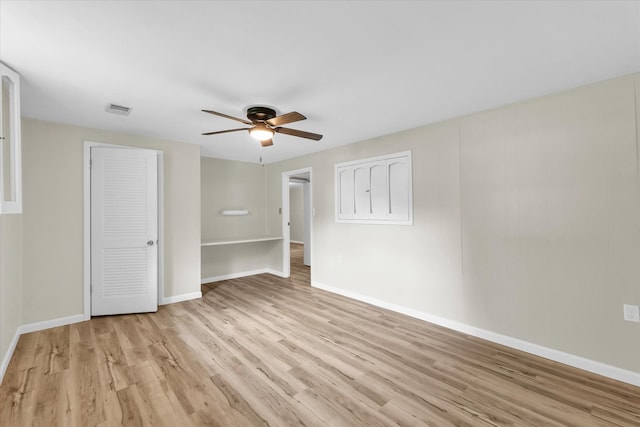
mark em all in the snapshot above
pixel 86 176
pixel 307 214
pixel 286 220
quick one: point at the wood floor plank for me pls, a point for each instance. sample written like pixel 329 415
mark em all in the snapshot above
pixel 237 402
pixel 83 379
pixel 407 416
pixel 267 351
pixel 17 396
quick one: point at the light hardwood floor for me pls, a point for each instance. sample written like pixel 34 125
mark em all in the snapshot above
pixel 269 351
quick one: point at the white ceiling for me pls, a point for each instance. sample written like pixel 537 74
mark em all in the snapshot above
pixel 356 69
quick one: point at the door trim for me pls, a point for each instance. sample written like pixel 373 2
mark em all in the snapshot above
pixel 86 184
pixel 286 218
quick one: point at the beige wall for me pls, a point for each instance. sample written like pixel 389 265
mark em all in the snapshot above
pixel 233 185
pixel 53 216
pixel 10 279
pixel 526 222
pixel 228 184
pixel 296 213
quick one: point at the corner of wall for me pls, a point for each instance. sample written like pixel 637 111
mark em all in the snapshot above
pixel 11 298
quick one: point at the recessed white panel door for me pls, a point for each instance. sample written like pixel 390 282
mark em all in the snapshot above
pixel 361 198
pixel 346 193
pixel 399 190
pixel 379 191
pixel 124 231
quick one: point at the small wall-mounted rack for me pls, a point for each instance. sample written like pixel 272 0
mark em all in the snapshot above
pixel 234 212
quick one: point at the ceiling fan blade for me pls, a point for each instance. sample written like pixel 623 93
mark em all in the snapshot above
pixel 225 131
pixel 299 133
pixel 246 122
pixel 267 142
pixel 291 117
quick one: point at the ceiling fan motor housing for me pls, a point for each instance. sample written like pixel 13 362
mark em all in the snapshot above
pixel 260 114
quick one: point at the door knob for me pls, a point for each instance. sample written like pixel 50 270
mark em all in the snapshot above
pixel 150 243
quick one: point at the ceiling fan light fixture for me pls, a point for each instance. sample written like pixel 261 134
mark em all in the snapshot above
pixel 266 124
pixel 261 132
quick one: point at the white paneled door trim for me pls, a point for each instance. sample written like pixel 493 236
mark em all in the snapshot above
pixel 87 223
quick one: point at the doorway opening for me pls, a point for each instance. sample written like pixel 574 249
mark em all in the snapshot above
pixel 297 224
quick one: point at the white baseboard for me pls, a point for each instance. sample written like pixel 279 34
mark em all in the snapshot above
pixel 8 355
pixel 180 298
pixel 276 273
pixel 33 327
pixel 240 274
pixel 595 367
pixel 296 241
pixel 47 324
pixel 233 276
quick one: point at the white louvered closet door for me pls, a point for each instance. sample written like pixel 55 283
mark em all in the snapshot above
pixel 124 231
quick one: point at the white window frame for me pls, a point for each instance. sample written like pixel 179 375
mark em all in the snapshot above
pixel 14 205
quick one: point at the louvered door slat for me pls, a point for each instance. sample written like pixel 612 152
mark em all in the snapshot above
pixel 124 224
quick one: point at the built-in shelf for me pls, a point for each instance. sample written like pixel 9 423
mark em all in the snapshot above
pixel 243 240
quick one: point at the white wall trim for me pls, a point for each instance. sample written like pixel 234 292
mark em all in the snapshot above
pixel 296 241
pixel 48 324
pixel 276 273
pixel 34 327
pixel 8 355
pixel 232 276
pixel 180 298
pixel 593 366
pixel 241 274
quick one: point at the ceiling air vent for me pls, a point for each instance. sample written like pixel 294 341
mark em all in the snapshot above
pixel 118 109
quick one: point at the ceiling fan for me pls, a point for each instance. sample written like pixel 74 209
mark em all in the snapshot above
pixel 264 124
